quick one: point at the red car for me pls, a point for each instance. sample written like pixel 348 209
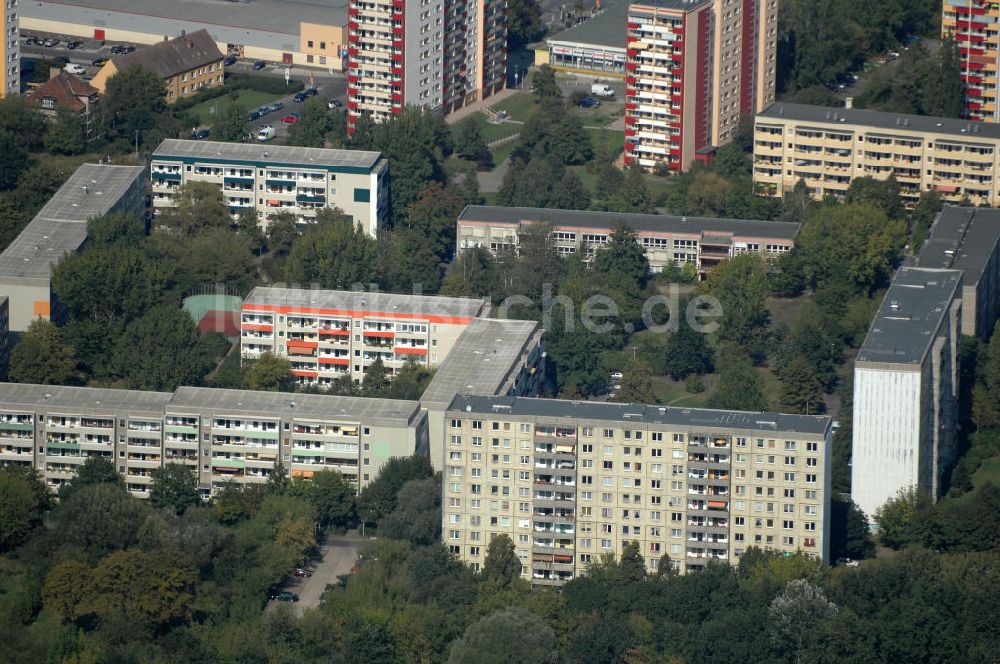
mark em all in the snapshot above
pixel 291 118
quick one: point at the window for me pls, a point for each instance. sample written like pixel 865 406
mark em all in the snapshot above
pixel 787 525
pixel 609 433
pixel 810 479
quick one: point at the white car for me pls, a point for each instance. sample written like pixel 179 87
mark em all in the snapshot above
pixel 265 133
pixel 73 68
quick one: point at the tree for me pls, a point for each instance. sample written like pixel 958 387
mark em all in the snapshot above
pixel 13 160
pixel 472 274
pixel 333 253
pixel 569 193
pixel 469 143
pixel 687 353
pixel 115 228
pixel 282 232
pixel 632 566
pixel 312 128
pixel 637 385
pixel 175 487
pixel 501 563
pixel 433 215
pixel 509 635
pixel 622 261
pixel 232 124
pixel 198 207
pixel 986 391
pixel 376 379
pixel 269 373
pixel 21 120
pixel 153 586
pixel 410 381
pixel 417 516
pixel 99 518
pixel 544 82
pixel 632 196
pixel 161 350
pixel 66 134
pixel 740 386
pixel 134 104
pixel 894 517
pixel 331 496
pixel 95 470
pixel 882 194
pixel 41 357
pixel 22 506
pixel 796 614
pixel 524 22
pixel 379 498
pixel 799 388
pixel 740 286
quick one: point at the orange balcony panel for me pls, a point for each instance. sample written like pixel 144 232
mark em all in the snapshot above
pixel 336 332
pixel 297 343
pixel 379 334
pixel 302 373
pixel 336 361
pixel 258 327
pixel 406 350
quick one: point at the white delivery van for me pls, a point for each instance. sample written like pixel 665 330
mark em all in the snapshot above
pixel 265 133
pixel 602 90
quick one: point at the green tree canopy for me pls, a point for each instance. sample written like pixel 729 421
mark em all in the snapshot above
pixel 740 386
pixel 501 563
pixel 66 133
pixel 740 285
pixel 637 385
pixel 333 253
pixel 269 372
pixel 509 635
pixel 22 505
pixel 174 487
pixel 232 124
pixel 161 350
pixel 417 516
pixel 41 357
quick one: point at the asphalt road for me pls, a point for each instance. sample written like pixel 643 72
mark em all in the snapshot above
pixel 339 556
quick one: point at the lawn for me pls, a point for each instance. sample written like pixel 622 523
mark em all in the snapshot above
pixel 492 132
pixel 602 116
pixel 250 99
pixel 518 106
pixel 672 393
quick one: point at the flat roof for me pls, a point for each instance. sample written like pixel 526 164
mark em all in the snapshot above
pixel 910 315
pixel 636 413
pixel 608 28
pixel 481 360
pixel 281 16
pixel 206 400
pixel 289 404
pixel 60 226
pixel 266 153
pixel 662 223
pixel 370 303
pixel 962 238
pixel 82 398
pixel 825 115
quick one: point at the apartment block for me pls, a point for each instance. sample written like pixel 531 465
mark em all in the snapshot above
pixel 829 147
pixel 972 24
pixel 440 55
pixel 570 481
pixel 60 227
pixel 274 178
pixel 492 357
pixel 222 435
pixel 4 336
pixel 694 68
pixel 666 239
pixel 668 81
pixel 10 49
pixel 968 239
pixel 187 65
pixel 328 334
pixel 906 387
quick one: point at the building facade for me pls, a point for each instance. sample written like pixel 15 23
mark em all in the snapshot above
pixel 187 64
pixel 10 47
pixel 906 388
pixel 60 227
pixel 328 334
pixel 667 240
pixel 221 435
pixel 290 32
pixel 570 481
pixel 828 148
pixel 694 68
pixel 439 55
pixel 274 178
pixel 595 46
pixel 968 239
pixel 972 26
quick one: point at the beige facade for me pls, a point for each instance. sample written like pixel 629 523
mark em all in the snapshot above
pixel 274 178
pixel 222 435
pixel 10 50
pixel 323 45
pixel 571 481
pixel 828 148
pixel 328 334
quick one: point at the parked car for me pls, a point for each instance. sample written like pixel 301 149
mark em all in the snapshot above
pixel 602 90
pixel 265 133
pixel 301 572
pixel 277 106
pixel 230 60
pixel 200 134
pixel 30 39
pixel 588 102
pixel 127 49
pixel 259 64
pixel 253 115
pixel 334 103
pixel 116 50
pixel 305 94
pixel 292 118
pixel 73 68
pixel 263 110
pixel 286 597
pixel 100 62
pixel 50 42
pixel 847 562
pixel 74 44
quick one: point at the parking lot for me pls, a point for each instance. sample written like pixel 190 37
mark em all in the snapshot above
pixel 339 555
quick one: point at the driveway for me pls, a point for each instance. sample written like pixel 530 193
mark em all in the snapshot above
pixel 340 554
